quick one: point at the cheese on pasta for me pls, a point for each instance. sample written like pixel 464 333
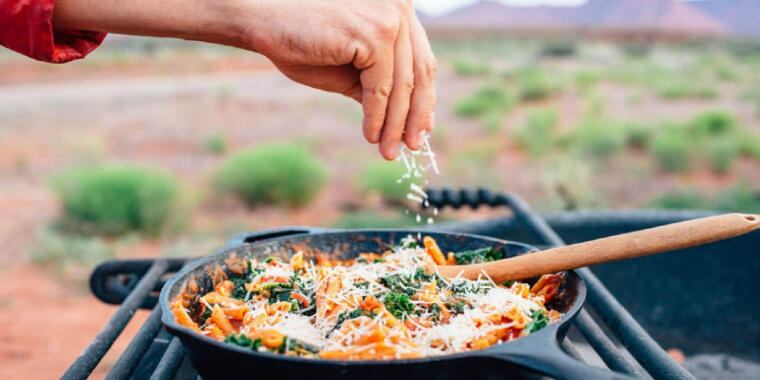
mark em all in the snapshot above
pixel 376 306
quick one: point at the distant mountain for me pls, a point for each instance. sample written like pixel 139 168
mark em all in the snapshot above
pixel 667 15
pixel 664 15
pixel 741 17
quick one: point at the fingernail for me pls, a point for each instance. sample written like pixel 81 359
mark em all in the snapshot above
pixel 394 150
pixel 420 140
pixel 432 120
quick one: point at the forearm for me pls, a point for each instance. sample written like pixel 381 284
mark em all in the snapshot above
pixel 201 20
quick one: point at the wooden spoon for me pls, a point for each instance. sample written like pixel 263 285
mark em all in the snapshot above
pixel 618 247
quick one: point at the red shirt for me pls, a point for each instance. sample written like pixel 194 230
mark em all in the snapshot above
pixel 26 27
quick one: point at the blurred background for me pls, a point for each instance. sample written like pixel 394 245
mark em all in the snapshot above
pixel 153 147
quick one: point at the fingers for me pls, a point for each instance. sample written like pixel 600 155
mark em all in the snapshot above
pixel 376 83
pixel 398 103
pixel 423 98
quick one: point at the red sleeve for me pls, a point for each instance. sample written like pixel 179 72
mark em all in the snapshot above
pixel 26 27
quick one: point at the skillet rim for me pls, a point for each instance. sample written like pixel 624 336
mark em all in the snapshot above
pixel 181 332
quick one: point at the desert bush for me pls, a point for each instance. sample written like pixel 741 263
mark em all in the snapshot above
pixel 488 98
pixel 215 143
pixel 69 256
pixel 383 177
pixel 279 173
pixel 688 199
pixel 115 199
pixel 738 198
pixel 559 48
pixel 593 105
pixel 638 135
pixel 749 144
pixel 671 149
pixel 683 86
pixel 598 137
pixel 535 135
pixel 713 123
pixel 472 163
pixel 723 152
pixel 535 83
pixel 371 219
pixel 58 249
pixel 634 49
pixel 465 67
pixel 492 122
pixel 585 80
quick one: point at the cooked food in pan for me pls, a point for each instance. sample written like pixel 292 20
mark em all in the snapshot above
pixel 376 306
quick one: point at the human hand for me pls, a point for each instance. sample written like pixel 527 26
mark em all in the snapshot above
pixel 374 51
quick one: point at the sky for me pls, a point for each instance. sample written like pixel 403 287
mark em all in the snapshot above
pixel 437 7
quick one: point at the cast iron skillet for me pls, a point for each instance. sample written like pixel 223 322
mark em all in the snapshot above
pixel 530 356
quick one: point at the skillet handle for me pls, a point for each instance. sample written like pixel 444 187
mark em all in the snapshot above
pixel 251 237
pixel 545 356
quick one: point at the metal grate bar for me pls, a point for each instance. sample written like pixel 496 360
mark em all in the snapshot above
pixel 570 349
pixel 131 357
pixel 646 351
pixel 94 352
pixel 604 347
pixel 649 354
pixel 170 362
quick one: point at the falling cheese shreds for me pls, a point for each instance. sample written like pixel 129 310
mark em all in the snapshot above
pixel 417 163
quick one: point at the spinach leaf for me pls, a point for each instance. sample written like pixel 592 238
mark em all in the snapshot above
pixel 206 315
pixel 476 256
pixel 243 341
pixel 398 304
pixel 539 321
pixel 398 283
pixel 239 281
pixel 296 345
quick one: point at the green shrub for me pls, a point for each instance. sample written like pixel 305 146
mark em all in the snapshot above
pixel 585 80
pixel 115 199
pixel 215 143
pixel 636 49
pixel 472 163
pixel 558 48
pixel 369 219
pixel 486 99
pixel 723 152
pixel 676 87
pixel 534 84
pixel 671 149
pixel 738 198
pixel 689 199
pixel 383 177
pixel 466 67
pixel 598 137
pixel 58 249
pixel 638 135
pixel 280 173
pixel 593 106
pixel 535 135
pixel 492 122
pixel 749 144
pixel 713 123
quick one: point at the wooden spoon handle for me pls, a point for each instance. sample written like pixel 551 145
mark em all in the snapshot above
pixel 625 246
